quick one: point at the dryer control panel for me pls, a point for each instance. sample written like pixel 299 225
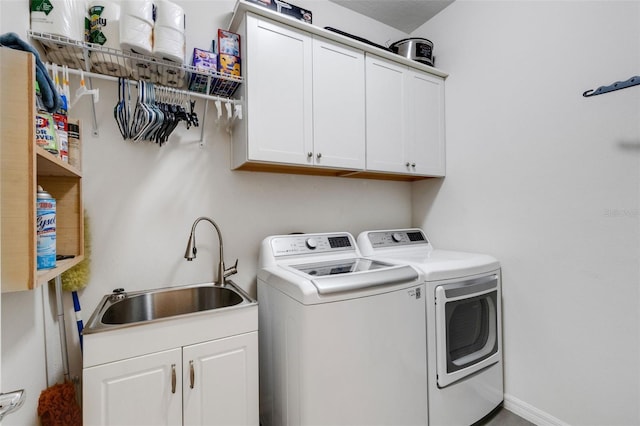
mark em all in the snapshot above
pixel 286 245
pixel 398 237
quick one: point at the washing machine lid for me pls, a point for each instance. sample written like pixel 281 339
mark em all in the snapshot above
pixel 412 246
pixel 353 274
pixel 342 266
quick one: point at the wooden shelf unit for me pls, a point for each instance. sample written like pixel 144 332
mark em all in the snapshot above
pixel 23 167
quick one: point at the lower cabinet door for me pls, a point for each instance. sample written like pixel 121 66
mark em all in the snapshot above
pixel 139 391
pixel 221 381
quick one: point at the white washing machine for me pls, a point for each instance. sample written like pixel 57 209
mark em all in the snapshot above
pixel 342 338
pixel 464 314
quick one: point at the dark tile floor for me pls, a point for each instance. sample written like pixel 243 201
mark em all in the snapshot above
pixel 504 417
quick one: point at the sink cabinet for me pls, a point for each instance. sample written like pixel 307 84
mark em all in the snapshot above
pixel 211 383
pixel 24 166
pixel 197 369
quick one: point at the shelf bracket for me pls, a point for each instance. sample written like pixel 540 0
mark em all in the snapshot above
pixel 93 109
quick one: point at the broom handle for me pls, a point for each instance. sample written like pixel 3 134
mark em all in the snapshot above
pixel 78 310
pixel 62 329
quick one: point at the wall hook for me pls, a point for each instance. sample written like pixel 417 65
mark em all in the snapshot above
pixel 618 85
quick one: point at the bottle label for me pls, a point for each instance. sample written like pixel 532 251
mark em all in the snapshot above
pixel 46 233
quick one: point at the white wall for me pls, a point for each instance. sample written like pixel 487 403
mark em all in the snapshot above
pixel 142 199
pixel 547 181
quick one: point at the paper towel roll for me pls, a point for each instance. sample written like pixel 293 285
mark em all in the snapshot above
pixel 140 9
pixel 168 32
pixel 169 14
pixel 104 23
pixel 104 30
pixel 169 44
pixel 59 17
pixel 136 26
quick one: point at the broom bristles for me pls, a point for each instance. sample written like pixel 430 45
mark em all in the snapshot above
pixel 77 277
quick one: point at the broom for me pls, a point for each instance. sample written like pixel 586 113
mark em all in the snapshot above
pixel 77 278
pixel 57 405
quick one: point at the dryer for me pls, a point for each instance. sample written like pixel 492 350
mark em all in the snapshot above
pixel 464 317
pixel 342 338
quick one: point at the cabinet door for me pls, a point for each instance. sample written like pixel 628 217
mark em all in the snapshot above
pixel 338 106
pixel 425 131
pixel 279 89
pixel 386 112
pixel 221 382
pixel 144 390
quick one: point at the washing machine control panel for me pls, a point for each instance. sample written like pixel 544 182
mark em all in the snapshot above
pixel 379 239
pixel 312 243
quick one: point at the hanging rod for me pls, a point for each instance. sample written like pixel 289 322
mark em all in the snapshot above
pixel 618 85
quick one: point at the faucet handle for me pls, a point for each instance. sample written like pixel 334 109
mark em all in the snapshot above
pixel 232 270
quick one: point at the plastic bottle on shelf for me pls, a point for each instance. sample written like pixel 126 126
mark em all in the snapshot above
pixel 46 229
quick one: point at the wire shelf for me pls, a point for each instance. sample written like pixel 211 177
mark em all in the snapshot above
pixel 116 63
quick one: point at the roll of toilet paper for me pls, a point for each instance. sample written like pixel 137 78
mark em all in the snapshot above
pixel 169 44
pixel 63 18
pixel 142 70
pixel 109 65
pixel 136 26
pixel 171 76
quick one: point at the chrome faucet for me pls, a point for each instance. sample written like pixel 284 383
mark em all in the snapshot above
pixel 191 251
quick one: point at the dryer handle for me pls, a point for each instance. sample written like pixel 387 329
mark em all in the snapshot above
pixel 471 287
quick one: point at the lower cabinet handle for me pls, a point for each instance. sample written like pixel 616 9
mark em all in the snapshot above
pixel 173 378
pixel 192 375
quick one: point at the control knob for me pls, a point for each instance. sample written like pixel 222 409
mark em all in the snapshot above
pixel 311 243
pixel 397 237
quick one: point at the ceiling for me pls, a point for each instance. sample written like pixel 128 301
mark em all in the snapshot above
pixel 404 15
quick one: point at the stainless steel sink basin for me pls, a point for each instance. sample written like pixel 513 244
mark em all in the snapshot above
pixel 121 309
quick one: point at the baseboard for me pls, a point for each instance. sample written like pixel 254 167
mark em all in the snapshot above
pixel 531 413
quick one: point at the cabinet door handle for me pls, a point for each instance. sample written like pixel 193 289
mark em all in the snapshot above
pixel 309 154
pixel 173 378
pixel 413 165
pixel 319 155
pixel 192 375
pixel 407 164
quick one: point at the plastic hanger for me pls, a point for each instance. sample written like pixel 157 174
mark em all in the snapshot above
pixel 82 90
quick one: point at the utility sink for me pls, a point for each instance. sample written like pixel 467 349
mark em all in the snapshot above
pixel 126 309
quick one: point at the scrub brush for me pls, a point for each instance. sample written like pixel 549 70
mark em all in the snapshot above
pixel 77 277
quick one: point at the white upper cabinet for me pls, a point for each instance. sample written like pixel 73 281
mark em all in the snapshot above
pixel 387 121
pixel 279 88
pixel 405 119
pixel 320 103
pixel 305 99
pixel 425 126
pixel 338 105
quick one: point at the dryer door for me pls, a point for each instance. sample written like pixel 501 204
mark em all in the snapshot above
pixel 468 316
